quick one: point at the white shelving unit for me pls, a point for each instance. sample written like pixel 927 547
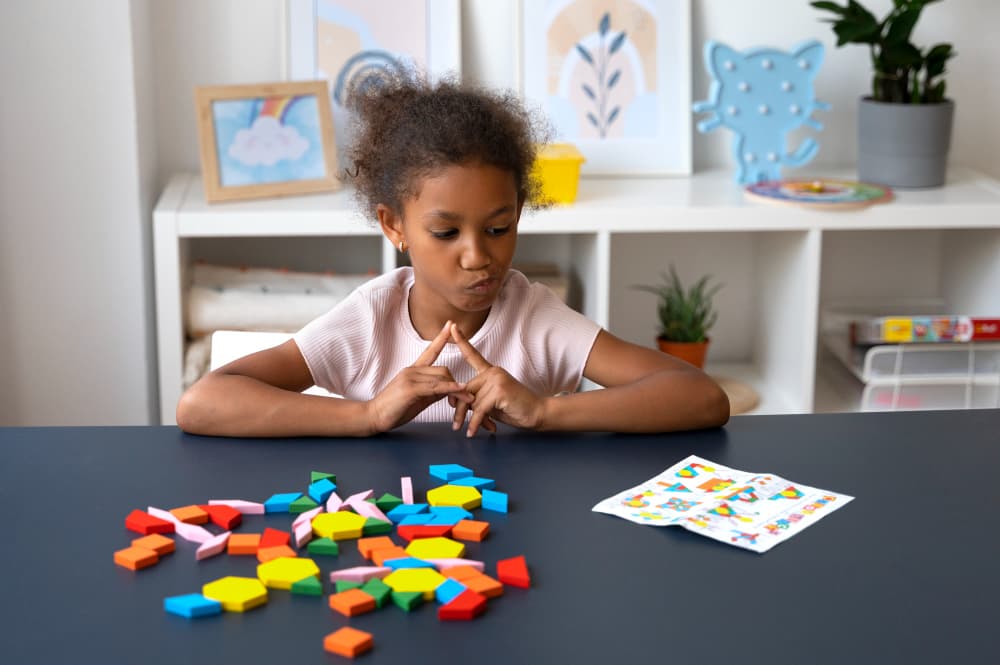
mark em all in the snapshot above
pixel 779 264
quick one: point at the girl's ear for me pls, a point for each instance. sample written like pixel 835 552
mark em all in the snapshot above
pixel 391 223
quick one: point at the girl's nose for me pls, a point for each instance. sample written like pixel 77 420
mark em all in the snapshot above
pixel 474 256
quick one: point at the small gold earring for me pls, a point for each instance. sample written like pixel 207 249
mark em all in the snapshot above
pixel 402 247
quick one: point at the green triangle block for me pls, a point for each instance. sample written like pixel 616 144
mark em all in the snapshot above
pixel 346 585
pixel 302 504
pixel 319 475
pixel 387 502
pixel 323 546
pixel 376 527
pixel 309 586
pixel 408 600
pixel 378 590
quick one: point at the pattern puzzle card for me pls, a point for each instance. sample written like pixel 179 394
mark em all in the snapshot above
pixel 751 510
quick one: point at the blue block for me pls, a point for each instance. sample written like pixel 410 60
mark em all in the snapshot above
pixel 404 509
pixel 407 562
pixel 495 501
pixel 448 590
pixel 420 518
pixel 192 606
pixel 279 503
pixel 473 481
pixel 450 512
pixel 449 472
pixel 443 520
pixel 321 490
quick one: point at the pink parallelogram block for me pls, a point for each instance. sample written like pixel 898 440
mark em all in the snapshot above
pixel 362 507
pixel 334 503
pixel 360 574
pixel 444 564
pixel 306 517
pixel 190 532
pixel 407 486
pixel 213 546
pixel 245 507
pixel 303 533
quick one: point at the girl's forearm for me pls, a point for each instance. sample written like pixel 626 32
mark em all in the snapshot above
pixel 239 406
pixel 668 400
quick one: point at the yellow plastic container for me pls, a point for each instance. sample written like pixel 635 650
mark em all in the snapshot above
pixel 557 167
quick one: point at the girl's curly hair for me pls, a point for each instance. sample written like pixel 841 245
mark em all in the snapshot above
pixel 407 128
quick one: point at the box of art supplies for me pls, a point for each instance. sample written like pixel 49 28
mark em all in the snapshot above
pixel 913 328
pixel 557 169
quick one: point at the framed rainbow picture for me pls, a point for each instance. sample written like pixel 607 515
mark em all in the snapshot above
pixel 271 139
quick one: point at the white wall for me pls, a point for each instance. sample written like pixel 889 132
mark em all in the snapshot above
pixel 102 115
pixel 75 338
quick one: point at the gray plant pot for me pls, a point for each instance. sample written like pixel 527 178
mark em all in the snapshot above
pixel 904 145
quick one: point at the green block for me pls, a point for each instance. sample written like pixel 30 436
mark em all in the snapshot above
pixel 310 586
pixel 407 600
pixel 345 585
pixel 302 504
pixel 387 502
pixel 323 546
pixel 378 590
pixel 376 527
pixel 319 475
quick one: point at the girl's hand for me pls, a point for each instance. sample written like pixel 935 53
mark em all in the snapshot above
pixel 415 388
pixel 497 394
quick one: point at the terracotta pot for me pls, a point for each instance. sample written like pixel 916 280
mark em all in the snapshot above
pixel 691 352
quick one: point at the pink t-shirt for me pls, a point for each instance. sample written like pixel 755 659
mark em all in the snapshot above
pixel 360 345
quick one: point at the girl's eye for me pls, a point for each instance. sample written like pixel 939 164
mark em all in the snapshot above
pixel 498 230
pixel 444 235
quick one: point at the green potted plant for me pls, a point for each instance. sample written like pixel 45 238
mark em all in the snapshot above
pixel 685 316
pixel 904 126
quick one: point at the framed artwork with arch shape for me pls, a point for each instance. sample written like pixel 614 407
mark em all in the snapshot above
pixel 344 41
pixel 614 78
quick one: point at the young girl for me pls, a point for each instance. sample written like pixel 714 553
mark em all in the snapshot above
pixel 458 337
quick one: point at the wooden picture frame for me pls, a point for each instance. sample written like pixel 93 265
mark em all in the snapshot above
pixel 266 140
pixel 614 79
pixel 343 41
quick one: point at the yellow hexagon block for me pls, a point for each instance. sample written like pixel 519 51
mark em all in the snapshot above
pixel 340 525
pixel 284 571
pixel 455 495
pixel 435 548
pixel 237 594
pixel 421 580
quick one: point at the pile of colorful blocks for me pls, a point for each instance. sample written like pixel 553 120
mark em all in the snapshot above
pixel 428 567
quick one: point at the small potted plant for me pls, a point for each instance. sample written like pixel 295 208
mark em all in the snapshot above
pixel 904 127
pixel 685 316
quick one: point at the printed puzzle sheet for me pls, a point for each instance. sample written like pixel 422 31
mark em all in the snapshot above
pixel 751 510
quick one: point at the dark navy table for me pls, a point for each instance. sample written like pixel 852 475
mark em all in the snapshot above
pixel 906 573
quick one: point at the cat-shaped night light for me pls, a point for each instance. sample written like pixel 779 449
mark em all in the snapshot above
pixel 761 95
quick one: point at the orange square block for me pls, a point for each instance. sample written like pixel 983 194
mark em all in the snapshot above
pixel 265 554
pixel 461 573
pixel 136 558
pixel 243 543
pixel 382 554
pixel 368 545
pixel 470 530
pixel 347 641
pixel 190 514
pixel 154 541
pixel 484 584
pixel 352 602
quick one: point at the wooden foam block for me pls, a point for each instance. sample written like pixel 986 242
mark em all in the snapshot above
pixel 467 605
pixel 223 516
pixel 383 554
pixel 190 514
pixel 470 530
pixel 210 548
pixel 144 523
pixel 348 642
pixel 514 571
pixel 461 572
pixel 243 543
pixel 411 531
pixel 136 558
pixel 367 546
pixel 484 584
pixel 274 538
pixel 265 554
pixel 154 541
pixel 352 602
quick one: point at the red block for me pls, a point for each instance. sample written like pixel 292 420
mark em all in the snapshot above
pixel 463 607
pixel 225 517
pixel 142 522
pixel 514 571
pixel 411 531
pixel 274 538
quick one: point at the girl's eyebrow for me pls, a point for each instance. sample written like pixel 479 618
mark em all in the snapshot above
pixel 449 216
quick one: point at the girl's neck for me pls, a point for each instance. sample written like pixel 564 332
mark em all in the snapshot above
pixel 429 317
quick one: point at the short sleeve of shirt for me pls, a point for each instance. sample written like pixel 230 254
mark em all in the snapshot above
pixel 557 339
pixel 336 345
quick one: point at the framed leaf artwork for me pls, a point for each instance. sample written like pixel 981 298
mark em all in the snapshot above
pixel 614 78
